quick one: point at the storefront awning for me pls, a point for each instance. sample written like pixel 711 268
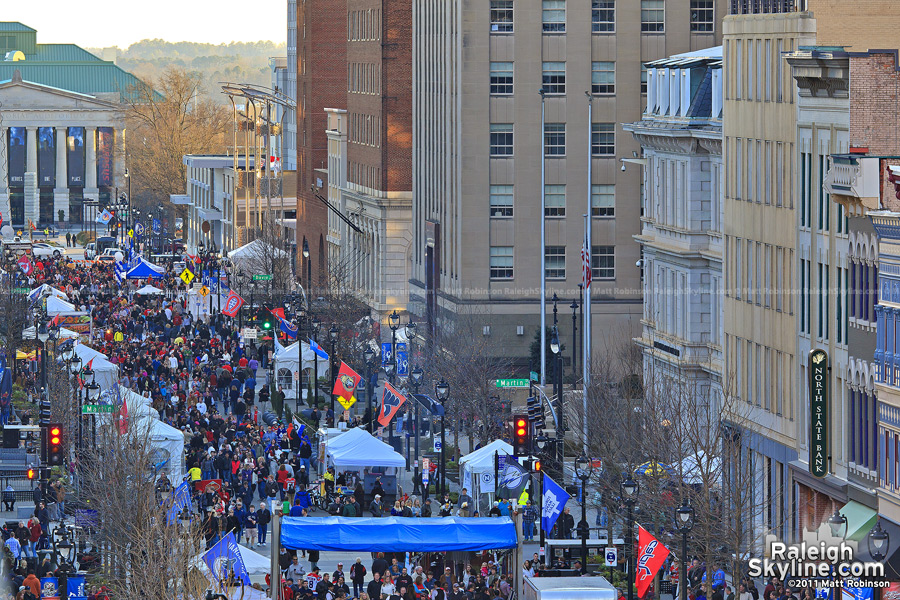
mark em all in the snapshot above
pixel 860 520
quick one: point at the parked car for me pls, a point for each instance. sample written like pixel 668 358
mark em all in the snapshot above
pixel 109 255
pixel 45 249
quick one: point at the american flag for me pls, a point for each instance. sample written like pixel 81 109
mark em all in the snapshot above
pixel 585 266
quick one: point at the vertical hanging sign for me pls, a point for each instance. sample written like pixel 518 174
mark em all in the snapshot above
pixel 46 157
pixel 818 413
pixel 75 156
pixel 16 156
pixel 104 157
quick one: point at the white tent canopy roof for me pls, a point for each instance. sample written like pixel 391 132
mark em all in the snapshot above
pixel 56 306
pixel 64 333
pixel 148 289
pixel 482 460
pixel 255 563
pixel 255 250
pixel 365 451
pixel 106 374
pixel 45 287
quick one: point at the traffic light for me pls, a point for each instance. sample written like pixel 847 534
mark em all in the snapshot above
pixel 521 435
pixel 264 316
pixel 30 473
pixel 533 465
pixel 535 412
pixel 54 445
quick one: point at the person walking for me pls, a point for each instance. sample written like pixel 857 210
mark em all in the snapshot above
pixel 358 577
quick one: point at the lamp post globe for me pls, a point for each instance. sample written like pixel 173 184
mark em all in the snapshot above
pixel 584 468
pixel 836 522
pixel 630 489
pixel 684 523
pixel 878 541
pixel 442 390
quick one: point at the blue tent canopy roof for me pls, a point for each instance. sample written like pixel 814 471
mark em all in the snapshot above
pixel 398 534
pixel 145 270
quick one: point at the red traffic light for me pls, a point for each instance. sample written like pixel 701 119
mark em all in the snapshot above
pixel 54 441
pixel 520 423
pixel 55 431
pixel 537 465
pixel 30 473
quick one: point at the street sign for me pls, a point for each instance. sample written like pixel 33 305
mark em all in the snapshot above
pixel 512 383
pixel 94 409
pixel 437 445
pixel 21 290
pixel 296 375
pixel 426 469
pixel 535 377
pixel 203 291
pixel 267 277
pixel 249 333
pixel 611 556
pixel 186 276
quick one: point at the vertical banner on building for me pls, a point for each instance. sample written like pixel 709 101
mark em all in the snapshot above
pixel 46 156
pixel 16 156
pixel 75 156
pixel 818 412
pixel 104 157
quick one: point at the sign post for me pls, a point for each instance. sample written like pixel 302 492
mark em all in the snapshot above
pixel 512 383
pixel 818 412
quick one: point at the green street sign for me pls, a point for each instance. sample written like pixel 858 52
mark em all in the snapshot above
pixel 262 278
pixel 535 377
pixel 21 290
pixel 512 383
pixel 94 409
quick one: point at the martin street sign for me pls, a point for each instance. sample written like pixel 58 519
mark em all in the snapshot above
pixel 512 383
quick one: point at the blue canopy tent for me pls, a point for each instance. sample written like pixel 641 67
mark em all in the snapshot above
pixel 145 270
pixel 398 534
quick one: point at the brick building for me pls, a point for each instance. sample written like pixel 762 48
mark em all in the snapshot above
pixel 370 157
pixel 321 83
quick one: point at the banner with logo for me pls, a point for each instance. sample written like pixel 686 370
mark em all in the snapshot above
pixel 513 478
pixel 233 304
pixel 553 501
pixel 345 385
pixel 224 558
pixel 650 558
pixel 16 147
pixel 49 588
pixel 75 156
pixel 391 401
pixel 46 156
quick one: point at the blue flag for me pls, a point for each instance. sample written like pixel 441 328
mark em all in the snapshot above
pixel 554 501
pixel 288 328
pixel 181 499
pixel 225 557
pixel 318 349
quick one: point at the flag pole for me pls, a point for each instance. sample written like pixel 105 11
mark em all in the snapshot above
pixel 543 251
pixel 586 300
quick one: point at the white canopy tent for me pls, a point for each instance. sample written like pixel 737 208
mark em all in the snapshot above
pixel 57 306
pixel 106 374
pixel 148 290
pixel 476 470
pixel 64 333
pixel 288 362
pixel 47 288
pixel 256 564
pixel 256 249
pixel 364 451
pixel 698 468
pixel 168 445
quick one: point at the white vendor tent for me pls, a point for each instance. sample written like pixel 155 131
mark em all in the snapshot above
pixel 255 250
pixel 48 289
pixel 476 470
pixel 64 333
pixel 56 306
pixel 105 373
pixel 148 290
pixel 288 362
pixel 256 564
pixel 365 451
pixel 168 445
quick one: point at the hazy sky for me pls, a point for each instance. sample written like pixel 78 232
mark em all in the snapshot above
pixel 101 23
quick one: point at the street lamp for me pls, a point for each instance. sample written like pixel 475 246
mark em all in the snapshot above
pixel 333 334
pixel 684 522
pixel 369 357
pixel 308 268
pixel 584 468
pixel 878 541
pixel 442 390
pixel 556 348
pixel 315 323
pixel 630 491
pixel 394 323
pixel 415 377
pixel 835 522
pixel 574 307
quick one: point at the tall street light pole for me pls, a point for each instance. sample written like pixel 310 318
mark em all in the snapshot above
pixel 369 357
pixel 584 468
pixel 543 246
pixel 415 378
pixel 308 270
pixel 394 322
pixel 684 522
pixel 315 332
pixel 556 348
pixel 574 307
pixel 333 334
pixel 629 496
pixel 442 390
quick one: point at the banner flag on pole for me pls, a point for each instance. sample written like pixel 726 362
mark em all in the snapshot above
pixel 554 500
pixel 513 479
pixel 181 499
pixel 391 401
pixel 317 349
pixel 650 558
pixel 225 557
pixel 345 385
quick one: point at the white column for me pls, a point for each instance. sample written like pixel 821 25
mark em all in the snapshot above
pixel 4 176
pixel 61 191
pixel 90 164
pixel 32 192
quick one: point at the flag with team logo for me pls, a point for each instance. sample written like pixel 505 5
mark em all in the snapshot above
pixel 391 401
pixel 513 479
pixel 554 501
pixel 225 558
pixel 650 558
pixel 345 385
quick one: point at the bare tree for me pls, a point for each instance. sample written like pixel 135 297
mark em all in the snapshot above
pixel 144 555
pixel 14 312
pixel 267 254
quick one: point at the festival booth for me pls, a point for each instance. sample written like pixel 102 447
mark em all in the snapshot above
pixel 149 290
pixel 64 333
pixel 288 363
pixel 145 270
pixel 168 447
pixel 58 306
pixel 106 374
pixel 358 450
pixel 255 563
pixel 476 471
pixel 46 289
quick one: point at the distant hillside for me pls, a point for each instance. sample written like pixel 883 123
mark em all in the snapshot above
pixel 241 62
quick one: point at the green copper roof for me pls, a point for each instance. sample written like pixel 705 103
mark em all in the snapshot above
pixel 14 26
pixel 61 53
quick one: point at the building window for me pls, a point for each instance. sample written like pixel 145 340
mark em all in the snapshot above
pixel 603 77
pixel 603 200
pixel 603 262
pixel 501 200
pixel 555 262
pixel 643 80
pixel 501 139
pixel 554 139
pixel 501 16
pixel 501 262
pixel 603 16
pixel 554 78
pixel 554 16
pixel 554 200
pixel 603 139
pixel 501 78
pixel 703 16
pixel 653 16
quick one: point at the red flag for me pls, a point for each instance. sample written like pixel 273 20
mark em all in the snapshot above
pixel 278 312
pixel 55 321
pixel 90 362
pixel 233 304
pixel 650 558
pixel 345 385
pixel 391 401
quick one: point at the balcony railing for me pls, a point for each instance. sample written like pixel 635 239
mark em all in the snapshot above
pixel 754 7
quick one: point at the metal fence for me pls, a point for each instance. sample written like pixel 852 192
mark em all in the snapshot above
pixel 750 7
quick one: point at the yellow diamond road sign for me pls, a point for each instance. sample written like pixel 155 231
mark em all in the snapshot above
pixel 347 403
pixel 187 277
pixel 203 291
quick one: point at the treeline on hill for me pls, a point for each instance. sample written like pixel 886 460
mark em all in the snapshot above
pixel 241 62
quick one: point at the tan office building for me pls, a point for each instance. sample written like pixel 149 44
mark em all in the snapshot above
pixel 477 140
